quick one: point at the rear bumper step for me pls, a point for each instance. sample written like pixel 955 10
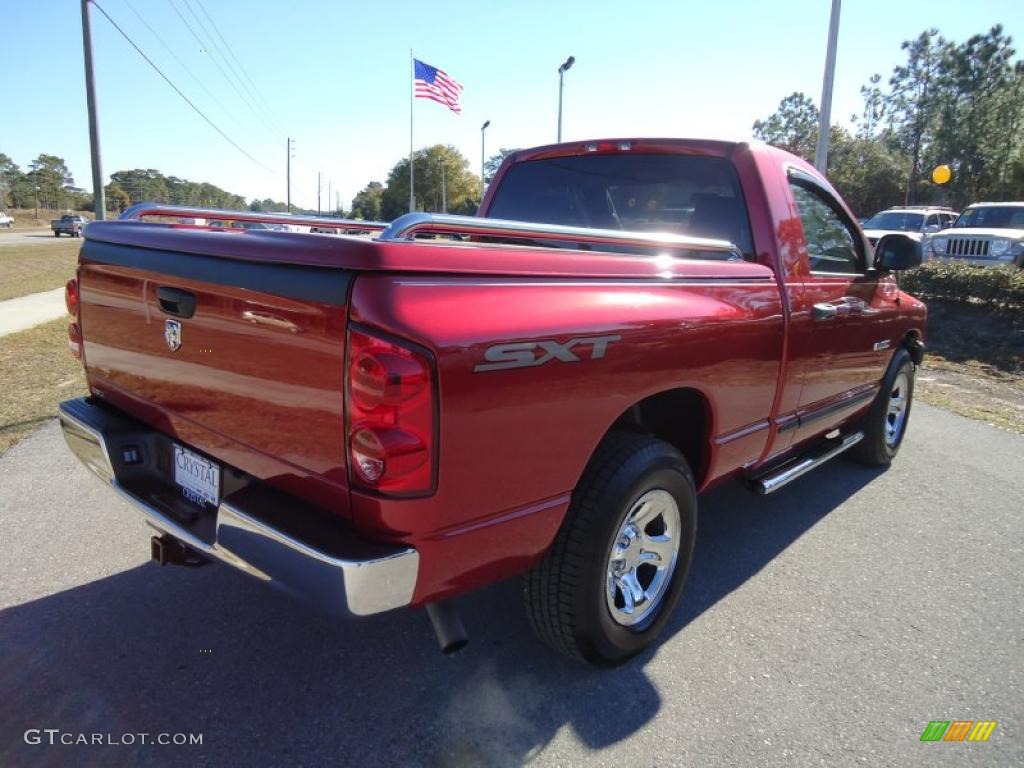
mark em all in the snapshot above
pixel 796 467
pixel 255 529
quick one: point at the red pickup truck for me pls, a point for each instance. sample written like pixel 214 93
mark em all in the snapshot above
pixel 396 419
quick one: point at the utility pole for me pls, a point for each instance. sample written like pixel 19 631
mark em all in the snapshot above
pixel 825 115
pixel 98 193
pixel 289 174
pixel 318 193
pixel 328 191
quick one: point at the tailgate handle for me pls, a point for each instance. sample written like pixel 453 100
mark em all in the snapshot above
pixel 175 301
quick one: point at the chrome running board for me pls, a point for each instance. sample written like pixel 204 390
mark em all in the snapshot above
pixel 801 465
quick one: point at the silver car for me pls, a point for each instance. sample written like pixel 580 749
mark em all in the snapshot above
pixel 914 221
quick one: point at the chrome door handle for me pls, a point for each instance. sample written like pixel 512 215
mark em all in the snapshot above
pixel 824 311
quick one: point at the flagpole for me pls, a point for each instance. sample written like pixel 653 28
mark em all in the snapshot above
pixel 412 165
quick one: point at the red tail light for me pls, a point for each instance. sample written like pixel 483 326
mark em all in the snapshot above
pixel 74 329
pixel 390 405
pixel 71 297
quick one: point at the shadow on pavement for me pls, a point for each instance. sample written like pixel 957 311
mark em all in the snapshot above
pixel 268 682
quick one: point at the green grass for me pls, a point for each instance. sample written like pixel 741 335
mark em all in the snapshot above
pixel 36 373
pixel 26 269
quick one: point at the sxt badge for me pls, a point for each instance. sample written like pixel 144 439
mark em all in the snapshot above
pixel 523 354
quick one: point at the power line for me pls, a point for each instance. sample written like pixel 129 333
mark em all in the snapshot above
pixel 215 55
pixel 177 90
pixel 182 64
pixel 255 90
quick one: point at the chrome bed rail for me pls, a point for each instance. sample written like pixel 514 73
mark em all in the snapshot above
pixel 406 228
pixel 143 210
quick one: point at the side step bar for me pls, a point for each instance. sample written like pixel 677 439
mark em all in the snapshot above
pixel 801 465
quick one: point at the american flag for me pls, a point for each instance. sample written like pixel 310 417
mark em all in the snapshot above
pixel 433 83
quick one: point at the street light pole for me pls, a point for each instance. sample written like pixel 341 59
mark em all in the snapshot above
pixel 482 129
pixel 825 115
pixel 566 66
pixel 289 175
pixel 318 193
pixel 98 193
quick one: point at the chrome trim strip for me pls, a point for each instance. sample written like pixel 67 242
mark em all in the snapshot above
pixel 773 482
pixel 404 228
pixel 821 411
pixel 744 431
pixel 141 210
pixel 356 587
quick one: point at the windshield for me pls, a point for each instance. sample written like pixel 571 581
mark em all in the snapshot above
pixel 993 216
pixel 677 194
pixel 896 220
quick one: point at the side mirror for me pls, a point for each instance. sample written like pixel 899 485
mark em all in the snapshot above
pixel 897 252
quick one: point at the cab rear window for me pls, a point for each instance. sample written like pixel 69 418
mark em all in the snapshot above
pixel 677 194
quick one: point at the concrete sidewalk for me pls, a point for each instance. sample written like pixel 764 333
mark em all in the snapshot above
pixel 28 311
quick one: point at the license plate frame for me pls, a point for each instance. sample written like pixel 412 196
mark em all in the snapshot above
pixel 198 477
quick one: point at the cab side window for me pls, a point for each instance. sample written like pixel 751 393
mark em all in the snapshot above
pixel 932 221
pixel 831 246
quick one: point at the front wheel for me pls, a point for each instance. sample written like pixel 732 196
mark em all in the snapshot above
pixel 886 423
pixel 56 234
pixel 615 572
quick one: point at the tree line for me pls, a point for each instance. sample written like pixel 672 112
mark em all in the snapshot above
pixel 47 183
pixel 948 103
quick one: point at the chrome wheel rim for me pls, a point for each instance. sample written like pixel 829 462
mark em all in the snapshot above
pixel 642 558
pixel 896 415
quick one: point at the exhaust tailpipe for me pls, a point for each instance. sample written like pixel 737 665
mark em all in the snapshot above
pixel 451 635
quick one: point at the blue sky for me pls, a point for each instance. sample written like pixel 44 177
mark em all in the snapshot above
pixel 336 76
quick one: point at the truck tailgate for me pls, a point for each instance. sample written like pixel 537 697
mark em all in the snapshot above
pixel 242 360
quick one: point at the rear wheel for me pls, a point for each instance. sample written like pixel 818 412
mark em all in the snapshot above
pixel 56 234
pixel 615 572
pixel 886 423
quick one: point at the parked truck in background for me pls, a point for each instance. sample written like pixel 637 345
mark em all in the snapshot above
pixel 6 221
pixel 368 424
pixel 68 224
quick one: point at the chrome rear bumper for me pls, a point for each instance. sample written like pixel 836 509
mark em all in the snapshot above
pixel 292 549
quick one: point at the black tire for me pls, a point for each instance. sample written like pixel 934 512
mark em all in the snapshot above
pixel 881 444
pixel 566 592
pixel 56 234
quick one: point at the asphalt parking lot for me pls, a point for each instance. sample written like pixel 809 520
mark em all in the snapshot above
pixel 824 625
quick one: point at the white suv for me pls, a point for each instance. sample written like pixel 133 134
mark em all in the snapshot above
pixel 5 220
pixel 915 221
pixel 985 234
